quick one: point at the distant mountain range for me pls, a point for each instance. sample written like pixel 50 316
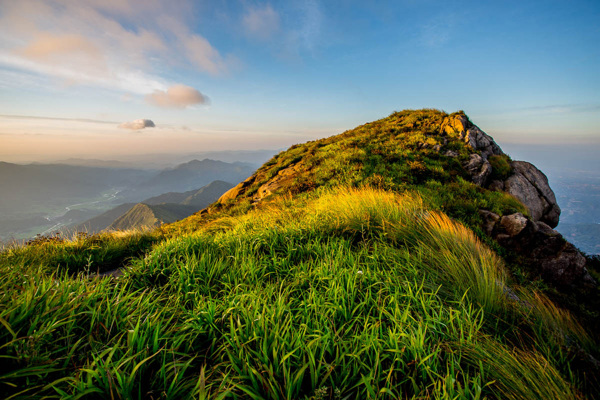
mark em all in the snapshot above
pixel 188 176
pixel 27 187
pixel 41 198
pixel 165 208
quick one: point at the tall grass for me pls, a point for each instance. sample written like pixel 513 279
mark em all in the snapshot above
pixel 353 293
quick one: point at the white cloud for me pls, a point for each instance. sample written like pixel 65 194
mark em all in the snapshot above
pixel 177 96
pixel 115 44
pixel 137 124
pixel 261 22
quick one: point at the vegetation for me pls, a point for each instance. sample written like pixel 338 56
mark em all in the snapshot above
pixel 361 288
pixel 501 168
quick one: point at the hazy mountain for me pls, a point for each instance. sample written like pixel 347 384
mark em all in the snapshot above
pixel 145 215
pixel 165 208
pixel 201 197
pixel 49 185
pixel 189 176
pixel 84 162
pixel 48 197
pixel 103 220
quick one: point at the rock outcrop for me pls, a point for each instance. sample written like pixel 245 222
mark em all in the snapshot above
pixel 479 168
pixel 530 186
pixel 468 132
pixel 555 259
pixel 526 183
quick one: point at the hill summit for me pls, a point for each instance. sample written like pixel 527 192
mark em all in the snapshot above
pixel 409 258
pixel 453 164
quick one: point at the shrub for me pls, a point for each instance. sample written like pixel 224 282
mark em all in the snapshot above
pixel 501 168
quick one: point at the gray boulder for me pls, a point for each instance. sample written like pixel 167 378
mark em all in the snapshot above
pixel 530 186
pixel 479 168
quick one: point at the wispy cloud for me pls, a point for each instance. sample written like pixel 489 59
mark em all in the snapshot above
pixel 563 108
pixel 35 117
pixel 177 96
pixel 107 43
pixel 302 33
pixel 261 22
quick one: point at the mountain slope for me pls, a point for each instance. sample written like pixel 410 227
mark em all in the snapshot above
pixel 104 220
pixel 333 272
pixel 145 215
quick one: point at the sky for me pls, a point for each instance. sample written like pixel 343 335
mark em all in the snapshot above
pixel 113 78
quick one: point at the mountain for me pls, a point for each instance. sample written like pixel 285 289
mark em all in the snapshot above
pixel 165 208
pixel 47 198
pixel 409 257
pixel 86 162
pixel 145 215
pixel 102 221
pixel 201 197
pixel 189 176
pixel 44 186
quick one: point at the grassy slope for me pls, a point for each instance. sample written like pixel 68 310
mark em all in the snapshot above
pixel 339 293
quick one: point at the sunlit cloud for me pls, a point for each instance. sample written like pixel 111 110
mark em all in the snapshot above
pixel 137 124
pixel 261 22
pixel 177 96
pixel 112 44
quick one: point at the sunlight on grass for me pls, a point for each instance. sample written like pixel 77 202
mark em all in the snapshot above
pixel 347 293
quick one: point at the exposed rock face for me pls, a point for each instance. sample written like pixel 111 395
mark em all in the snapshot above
pixel 235 191
pixel 527 183
pixel 557 260
pixel 283 177
pixel 479 169
pixel 471 135
pixel 530 186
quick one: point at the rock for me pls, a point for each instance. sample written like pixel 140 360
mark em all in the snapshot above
pixel 545 250
pixel 236 190
pixel 546 229
pixel 530 186
pixel 471 134
pixel 514 224
pixel 489 221
pixel 479 169
pixel 451 153
pixel 496 185
pixel 567 268
pixel 283 177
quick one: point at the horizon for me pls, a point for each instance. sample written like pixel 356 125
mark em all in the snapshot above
pixel 113 79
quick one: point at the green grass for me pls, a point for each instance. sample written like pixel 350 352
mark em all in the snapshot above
pixel 346 293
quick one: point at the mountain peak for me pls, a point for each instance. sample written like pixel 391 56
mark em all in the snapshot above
pixel 451 162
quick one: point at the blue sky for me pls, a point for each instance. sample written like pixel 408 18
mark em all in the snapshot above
pixel 220 75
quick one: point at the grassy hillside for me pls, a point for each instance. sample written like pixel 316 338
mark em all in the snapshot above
pixel 348 281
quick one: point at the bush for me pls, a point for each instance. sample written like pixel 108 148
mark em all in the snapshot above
pixel 501 168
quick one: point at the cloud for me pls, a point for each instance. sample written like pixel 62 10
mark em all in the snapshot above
pixel 177 96
pixel 261 22
pixel 137 124
pixel 114 44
